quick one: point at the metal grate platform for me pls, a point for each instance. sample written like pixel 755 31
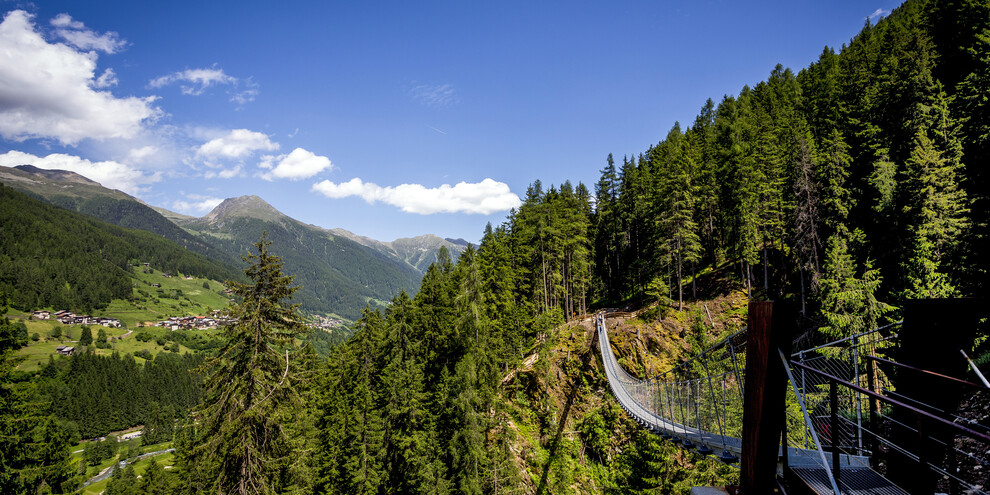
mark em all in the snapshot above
pixel 852 481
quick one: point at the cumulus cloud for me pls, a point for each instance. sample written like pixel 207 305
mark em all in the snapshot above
pixel 196 203
pixel 111 174
pixel 435 95
pixel 238 143
pixel 485 197
pixel 300 164
pixel 194 81
pixel 76 34
pixel 48 90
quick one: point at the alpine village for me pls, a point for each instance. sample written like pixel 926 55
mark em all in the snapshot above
pixel 784 295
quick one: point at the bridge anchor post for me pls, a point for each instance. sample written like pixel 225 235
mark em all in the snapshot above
pixel 770 326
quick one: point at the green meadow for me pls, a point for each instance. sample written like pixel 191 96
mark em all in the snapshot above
pixel 173 296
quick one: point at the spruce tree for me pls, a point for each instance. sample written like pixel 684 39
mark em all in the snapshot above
pixel 848 300
pixel 251 389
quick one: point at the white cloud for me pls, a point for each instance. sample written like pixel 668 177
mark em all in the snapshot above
pixel 248 94
pixel 107 79
pixel 111 174
pixel 226 173
pixel 878 13
pixel 243 97
pixel 198 204
pixel 199 80
pixel 76 34
pixel 300 164
pixel 435 95
pixel 47 90
pixel 238 143
pixel 138 155
pixel 485 197
pixel 194 82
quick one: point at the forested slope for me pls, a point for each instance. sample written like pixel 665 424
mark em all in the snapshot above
pixel 859 178
pixel 77 193
pixel 335 274
pixel 51 257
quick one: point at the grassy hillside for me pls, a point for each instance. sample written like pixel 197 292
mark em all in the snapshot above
pixel 177 296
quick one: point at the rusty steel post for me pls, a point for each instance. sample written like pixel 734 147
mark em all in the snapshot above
pixel 770 325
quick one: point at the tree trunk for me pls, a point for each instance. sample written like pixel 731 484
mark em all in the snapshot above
pixel 801 276
pixel 694 277
pixel 766 282
pixel 680 279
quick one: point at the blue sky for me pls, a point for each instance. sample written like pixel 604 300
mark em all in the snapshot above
pixel 388 119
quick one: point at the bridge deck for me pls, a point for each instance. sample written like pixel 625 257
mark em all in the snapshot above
pixel 804 464
pixel 852 480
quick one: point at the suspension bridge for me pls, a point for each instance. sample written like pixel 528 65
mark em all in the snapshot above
pixel 873 413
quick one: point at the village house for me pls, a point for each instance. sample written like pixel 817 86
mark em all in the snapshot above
pixel 129 436
pixel 65 350
pixel 42 315
pixel 192 322
pixel 67 318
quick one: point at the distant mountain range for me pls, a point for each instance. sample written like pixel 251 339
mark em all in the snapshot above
pixel 340 272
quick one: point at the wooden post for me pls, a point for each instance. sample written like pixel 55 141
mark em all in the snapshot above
pixel 770 325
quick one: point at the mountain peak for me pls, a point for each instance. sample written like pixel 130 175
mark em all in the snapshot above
pixel 244 206
pixel 59 175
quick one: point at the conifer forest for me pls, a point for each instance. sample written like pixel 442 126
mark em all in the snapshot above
pixel 847 186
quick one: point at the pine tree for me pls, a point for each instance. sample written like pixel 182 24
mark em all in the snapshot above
pixel 935 216
pixel 250 392
pixel 34 454
pixel 123 482
pixel 407 439
pixel 806 238
pixel 848 301
pixel 155 480
pixel 363 463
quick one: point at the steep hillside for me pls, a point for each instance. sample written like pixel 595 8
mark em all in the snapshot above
pixel 568 434
pixel 52 257
pixel 337 275
pixel 77 193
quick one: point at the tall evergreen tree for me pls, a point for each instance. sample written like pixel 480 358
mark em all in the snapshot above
pixel 848 299
pixel 251 389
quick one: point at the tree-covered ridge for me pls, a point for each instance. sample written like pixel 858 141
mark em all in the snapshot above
pixel 336 274
pixel 76 193
pixel 51 257
pixel 858 178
